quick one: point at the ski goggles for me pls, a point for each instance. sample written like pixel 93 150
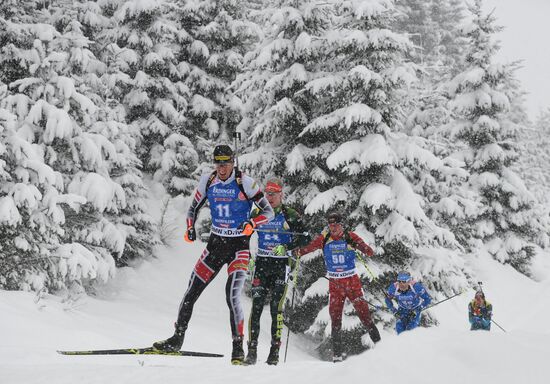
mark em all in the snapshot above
pixel 222 159
pixel 404 277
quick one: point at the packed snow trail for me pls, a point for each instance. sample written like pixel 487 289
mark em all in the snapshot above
pixel 140 305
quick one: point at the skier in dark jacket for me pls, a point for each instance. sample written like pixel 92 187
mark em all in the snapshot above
pixel 231 196
pixel 480 312
pixel 272 269
pixel 339 251
pixel 411 297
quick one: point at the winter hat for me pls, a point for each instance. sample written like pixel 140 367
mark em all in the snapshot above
pixel 223 154
pixel 334 217
pixel 274 184
pixel 404 276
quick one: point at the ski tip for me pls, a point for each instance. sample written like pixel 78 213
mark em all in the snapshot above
pixel 74 352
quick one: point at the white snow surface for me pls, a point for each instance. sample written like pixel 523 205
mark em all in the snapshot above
pixel 139 306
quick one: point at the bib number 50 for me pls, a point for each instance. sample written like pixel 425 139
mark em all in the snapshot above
pixel 338 259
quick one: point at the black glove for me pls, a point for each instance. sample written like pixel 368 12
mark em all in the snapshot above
pixel 190 235
pixel 411 316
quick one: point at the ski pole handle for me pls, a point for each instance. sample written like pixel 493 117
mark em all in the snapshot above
pixel 237 138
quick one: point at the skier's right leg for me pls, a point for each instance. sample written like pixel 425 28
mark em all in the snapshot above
pixel 205 270
pixel 259 294
pixel 400 326
pixel 278 294
pixel 236 270
pixel 356 296
pixel 337 298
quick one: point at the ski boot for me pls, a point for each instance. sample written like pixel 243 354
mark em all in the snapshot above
pixel 237 355
pixel 173 343
pixel 374 334
pixel 273 358
pixel 339 358
pixel 337 355
pixel 252 354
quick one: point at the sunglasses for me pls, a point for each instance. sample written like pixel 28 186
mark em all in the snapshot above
pixel 333 222
pixel 272 193
pixel 402 281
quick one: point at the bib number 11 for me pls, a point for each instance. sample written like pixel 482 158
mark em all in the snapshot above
pixel 223 210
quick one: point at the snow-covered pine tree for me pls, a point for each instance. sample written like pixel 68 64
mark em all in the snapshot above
pixel 325 94
pixel 214 35
pixel 286 58
pixel 55 109
pixel 30 218
pixel 141 232
pixel 532 164
pixel 505 224
pixel 448 16
pixel 141 48
pixel 428 110
pixel 433 27
pixel 534 156
pixel 414 19
pixel 373 166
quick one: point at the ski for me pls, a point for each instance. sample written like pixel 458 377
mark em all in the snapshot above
pixel 138 351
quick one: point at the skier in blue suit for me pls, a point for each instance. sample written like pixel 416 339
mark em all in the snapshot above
pixel 411 297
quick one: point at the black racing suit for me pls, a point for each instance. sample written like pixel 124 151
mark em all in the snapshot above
pixel 271 271
pixel 227 244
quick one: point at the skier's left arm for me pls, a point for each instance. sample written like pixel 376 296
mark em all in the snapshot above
pixel 313 245
pixel 360 245
pixel 487 312
pixel 423 294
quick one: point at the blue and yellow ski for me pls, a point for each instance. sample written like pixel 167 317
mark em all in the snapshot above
pixel 138 351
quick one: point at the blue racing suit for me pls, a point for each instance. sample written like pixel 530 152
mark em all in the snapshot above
pixel 409 304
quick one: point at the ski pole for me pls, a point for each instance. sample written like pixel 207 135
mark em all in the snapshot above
pixel 480 285
pixel 295 279
pixel 237 138
pixel 498 325
pixel 282 232
pixel 359 254
pixel 251 266
pixel 442 301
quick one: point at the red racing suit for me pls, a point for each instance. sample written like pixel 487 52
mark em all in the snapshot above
pixel 339 256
